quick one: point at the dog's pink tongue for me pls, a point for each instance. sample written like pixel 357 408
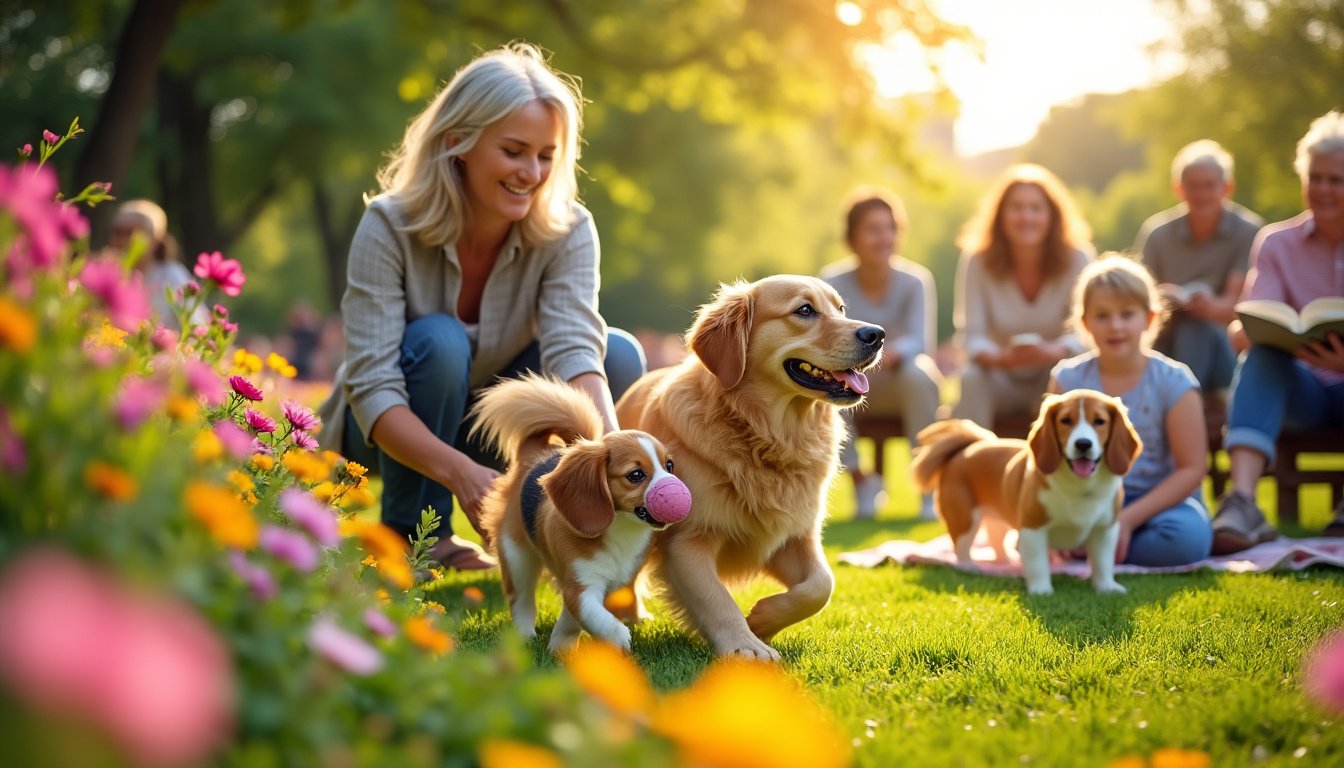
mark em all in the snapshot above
pixel 1083 467
pixel 668 500
pixel 854 380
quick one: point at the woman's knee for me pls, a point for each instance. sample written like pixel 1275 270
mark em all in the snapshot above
pixel 437 345
pixel 624 363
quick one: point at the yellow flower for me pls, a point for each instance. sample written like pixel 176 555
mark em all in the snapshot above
pixel 429 606
pixel 357 498
pixel 387 548
pixel 206 447
pixel 620 600
pixel 182 408
pixel 246 362
pixel 277 362
pixel 262 461
pixel 383 596
pixel 109 482
pixel 18 328
pixel 369 561
pixel 503 753
pixel 1175 757
pixel 355 469
pixel 107 335
pixel 1128 761
pixel 422 632
pixel 242 482
pixel 227 518
pixel 745 714
pixel 332 458
pixel 323 491
pixel 305 466
pixel 610 676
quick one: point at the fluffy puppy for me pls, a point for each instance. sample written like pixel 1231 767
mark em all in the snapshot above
pixel 1060 488
pixel 577 503
pixel 753 417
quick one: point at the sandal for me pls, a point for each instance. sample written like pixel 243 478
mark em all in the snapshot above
pixel 461 555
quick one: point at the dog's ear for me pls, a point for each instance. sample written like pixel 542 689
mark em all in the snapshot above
pixel 1044 438
pixel 1124 447
pixel 578 490
pixel 721 331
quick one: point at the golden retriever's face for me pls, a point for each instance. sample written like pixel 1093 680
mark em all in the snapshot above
pixel 789 332
pixel 1084 428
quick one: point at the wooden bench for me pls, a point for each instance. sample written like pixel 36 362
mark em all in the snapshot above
pixel 1288 476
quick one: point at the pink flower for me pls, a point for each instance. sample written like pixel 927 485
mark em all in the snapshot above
pixel 301 417
pixel 290 546
pixel 50 137
pixel 347 651
pixel 255 576
pixel 1323 672
pixel 259 422
pixel 145 669
pixel 236 440
pixel 137 400
pixel 228 327
pixel 245 388
pixel 164 339
pixel 221 311
pixel 13 457
pixel 303 440
pixel 259 447
pixel 125 299
pixel 30 194
pixel 312 515
pixel 25 150
pixel 228 273
pixel 204 382
pixel 376 621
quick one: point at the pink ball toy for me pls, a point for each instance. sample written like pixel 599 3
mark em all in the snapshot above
pixel 668 500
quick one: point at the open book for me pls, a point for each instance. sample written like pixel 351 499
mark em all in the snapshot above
pixel 1180 295
pixel 1276 324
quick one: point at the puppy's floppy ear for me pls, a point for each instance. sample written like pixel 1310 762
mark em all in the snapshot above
pixel 578 490
pixel 1044 438
pixel 1124 446
pixel 721 331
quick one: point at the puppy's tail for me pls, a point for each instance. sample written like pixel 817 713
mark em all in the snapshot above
pixel 939 443
pixel 523 417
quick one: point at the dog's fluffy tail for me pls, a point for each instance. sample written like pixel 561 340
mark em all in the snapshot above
pixel 523 417
pixel 939 443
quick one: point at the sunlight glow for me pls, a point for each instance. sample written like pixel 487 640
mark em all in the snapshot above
pixel 1037 54
pixel 848 13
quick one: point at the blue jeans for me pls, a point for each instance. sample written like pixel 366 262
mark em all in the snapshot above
pixel 1274 391
pixel 1201 345
pixel 436 361
pixel 1175 536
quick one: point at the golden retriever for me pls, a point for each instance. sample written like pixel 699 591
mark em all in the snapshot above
pixel 752 416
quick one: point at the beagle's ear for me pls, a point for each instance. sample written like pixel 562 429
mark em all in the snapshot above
pixel 578 490
pixel 1044 438
pixel 721 331
pixel 1125 445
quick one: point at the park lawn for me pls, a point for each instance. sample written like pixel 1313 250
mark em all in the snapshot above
pixel 930 666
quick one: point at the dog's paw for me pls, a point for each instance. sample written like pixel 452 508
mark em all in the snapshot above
pixel 1111 587
pixel 749 648
pixel 559 644
pixel 619 636
pixel 1041 589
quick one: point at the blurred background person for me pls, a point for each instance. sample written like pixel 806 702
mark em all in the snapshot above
pixel 881 286
pixel 1199 252
pixel 158 264
pixel 1021 255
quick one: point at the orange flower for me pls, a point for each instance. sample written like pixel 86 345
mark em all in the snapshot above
pixel 611 677
pixel 18 328
pixel 355 470
pixel 109 482
pixel 305 466
pixel 357 498
pixel 323 491
pixel 261 461
pixel 745 714
pixel 1175 757
pixel 503 753
pixel 107 336
pixel 423 633
pixel 473 596
pixel 227 518
pixel 182 408
pixel 242 482
pixel 387 548
pixel 620 600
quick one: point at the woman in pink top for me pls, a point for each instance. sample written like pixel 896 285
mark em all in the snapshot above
pixel 1021 255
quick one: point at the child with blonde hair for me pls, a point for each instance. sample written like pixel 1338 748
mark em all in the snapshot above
pixel 1115 310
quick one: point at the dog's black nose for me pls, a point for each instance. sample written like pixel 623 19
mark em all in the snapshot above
pixel 1082 444
pixel 871 335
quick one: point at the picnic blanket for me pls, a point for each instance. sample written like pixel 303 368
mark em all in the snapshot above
pixel 1282 554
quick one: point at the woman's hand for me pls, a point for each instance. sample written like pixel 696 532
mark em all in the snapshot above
pixel 470 482
pixel 1126 534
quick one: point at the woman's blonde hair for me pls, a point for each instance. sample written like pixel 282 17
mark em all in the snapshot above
pixel 423 173
pixel 983 235
pixel 1124 278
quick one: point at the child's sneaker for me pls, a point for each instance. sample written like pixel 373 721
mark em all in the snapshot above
pixel 1239 524
pixel 869 494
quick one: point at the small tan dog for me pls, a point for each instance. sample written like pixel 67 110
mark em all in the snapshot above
pixel 753 417
pixel 575 502
pixel 1060 488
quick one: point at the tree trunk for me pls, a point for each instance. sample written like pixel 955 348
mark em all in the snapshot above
pixel 112 139
pixel 335 243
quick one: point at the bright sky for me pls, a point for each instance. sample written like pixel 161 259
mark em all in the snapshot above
pixel 1037 53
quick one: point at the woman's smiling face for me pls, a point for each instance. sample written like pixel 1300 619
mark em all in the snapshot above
pixel 509 163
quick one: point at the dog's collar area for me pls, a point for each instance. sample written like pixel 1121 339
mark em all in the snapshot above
pixel 844 386
pixel 643 514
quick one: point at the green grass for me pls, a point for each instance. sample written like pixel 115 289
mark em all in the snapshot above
pixel 931 666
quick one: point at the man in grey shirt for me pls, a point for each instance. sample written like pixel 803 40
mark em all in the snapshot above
pixel 1198 252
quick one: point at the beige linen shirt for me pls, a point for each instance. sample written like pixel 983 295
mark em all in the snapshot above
pixel 546 293
pixel 988 312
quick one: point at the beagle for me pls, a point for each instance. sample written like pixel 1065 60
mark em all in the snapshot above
pixel 1060 488
pixel 577 503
